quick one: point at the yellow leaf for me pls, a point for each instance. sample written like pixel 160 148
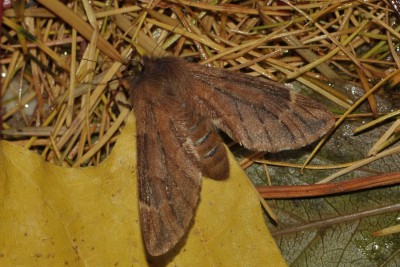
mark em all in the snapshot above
pixel 53 216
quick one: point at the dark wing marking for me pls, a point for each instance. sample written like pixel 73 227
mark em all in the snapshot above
pixel 169 175
pixel 259 114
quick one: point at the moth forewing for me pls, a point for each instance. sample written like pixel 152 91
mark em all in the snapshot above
pixel 260 114
pixel 179 106
pixel 168 167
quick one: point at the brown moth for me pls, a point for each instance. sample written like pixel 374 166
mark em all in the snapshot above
pixel 179 108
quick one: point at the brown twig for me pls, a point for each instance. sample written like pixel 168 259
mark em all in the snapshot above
pixel 320 190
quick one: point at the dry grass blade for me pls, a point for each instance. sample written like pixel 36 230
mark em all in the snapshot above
pixel 80 25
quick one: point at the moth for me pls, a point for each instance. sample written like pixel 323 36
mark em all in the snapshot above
pixel 180 107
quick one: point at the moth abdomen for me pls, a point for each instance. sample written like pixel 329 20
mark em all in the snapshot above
pixel 208 144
